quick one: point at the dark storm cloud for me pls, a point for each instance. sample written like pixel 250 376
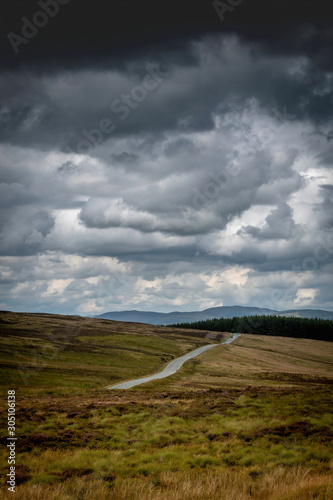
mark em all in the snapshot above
pixel 78 111
pixel 97 34
pixel 38 108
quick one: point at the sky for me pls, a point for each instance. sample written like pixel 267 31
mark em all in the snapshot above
pixel 165 155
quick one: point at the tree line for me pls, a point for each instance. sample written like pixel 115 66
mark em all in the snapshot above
pixel 307 328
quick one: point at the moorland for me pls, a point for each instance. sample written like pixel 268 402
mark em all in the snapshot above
pixel 249 420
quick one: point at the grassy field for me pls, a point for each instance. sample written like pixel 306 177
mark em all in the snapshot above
pixel 52 354
pixel 250 420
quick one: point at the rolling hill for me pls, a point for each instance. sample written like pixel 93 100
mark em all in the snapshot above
pixel 156 318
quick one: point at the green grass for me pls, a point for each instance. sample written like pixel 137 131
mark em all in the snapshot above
pixel 135 435
pixel 57 353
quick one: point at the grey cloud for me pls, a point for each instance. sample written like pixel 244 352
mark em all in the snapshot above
pixel 326 157
pixel 24 231
pixel 105 214
pixel 15 194
pixel 279 225
pixel 181 145
pixel 325 209
pixel 61 108
pixel 67 168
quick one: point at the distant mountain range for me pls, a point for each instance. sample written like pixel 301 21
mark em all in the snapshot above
pixel 156 318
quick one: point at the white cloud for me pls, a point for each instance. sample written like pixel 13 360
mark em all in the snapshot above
pixel 305 296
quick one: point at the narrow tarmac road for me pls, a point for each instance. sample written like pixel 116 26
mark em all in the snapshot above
pixel 172 367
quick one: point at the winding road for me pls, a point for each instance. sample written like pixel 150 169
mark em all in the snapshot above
pixel 172 367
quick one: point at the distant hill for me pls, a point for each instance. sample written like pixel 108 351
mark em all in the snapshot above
pixel 308 313
pixel 155 318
